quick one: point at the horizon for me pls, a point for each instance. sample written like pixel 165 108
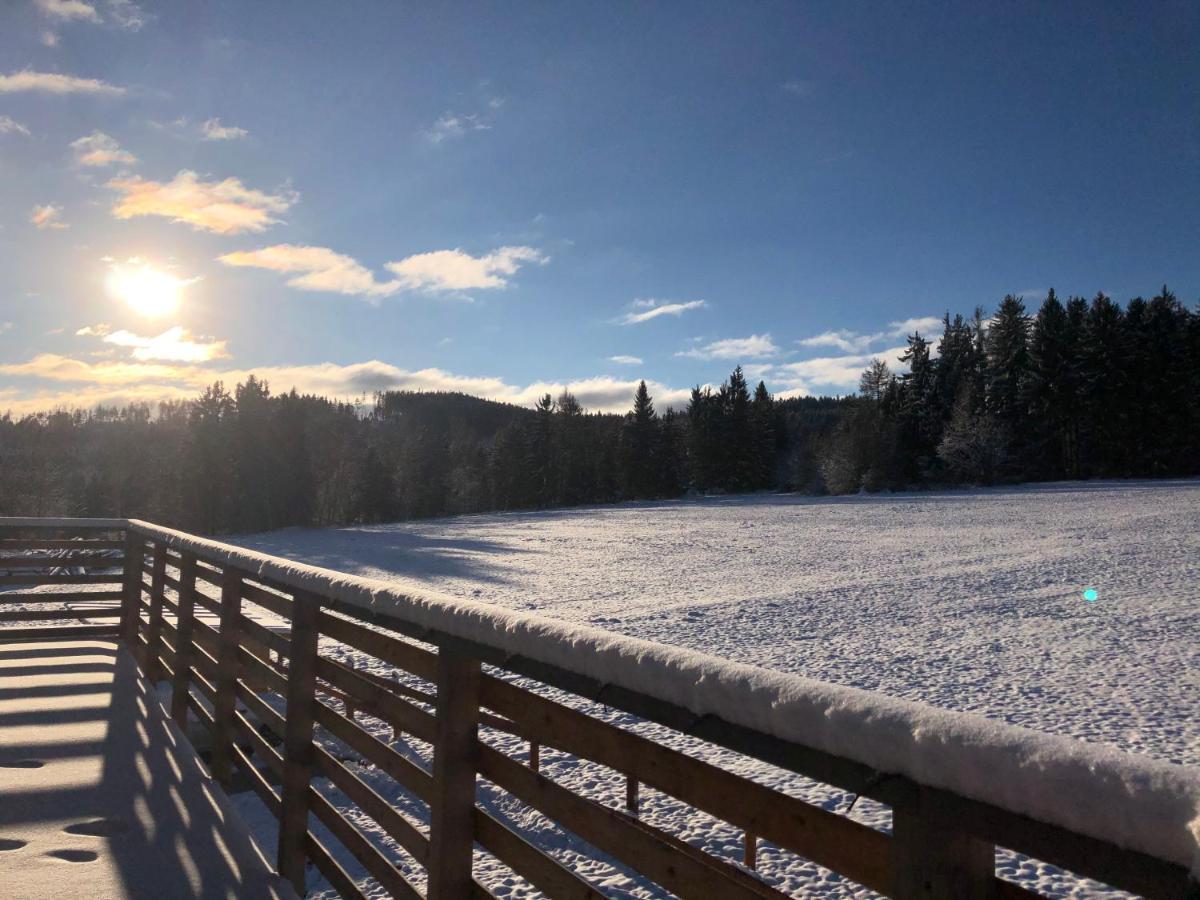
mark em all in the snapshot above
pixel 604 195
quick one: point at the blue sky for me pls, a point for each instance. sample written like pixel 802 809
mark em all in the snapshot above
pixel 505 198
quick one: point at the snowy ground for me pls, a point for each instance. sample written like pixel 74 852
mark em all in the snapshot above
pixel 969 601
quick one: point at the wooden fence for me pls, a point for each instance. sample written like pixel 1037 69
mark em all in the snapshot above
pixel 280 677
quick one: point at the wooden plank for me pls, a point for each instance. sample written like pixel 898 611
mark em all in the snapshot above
pixel 276 603
pixel 59 632
pixel 38 615
pixel 380 867
pixel 298 725
pixel 154 632
pixel 541 870
pixel 402 770
pixel 60 579
pixel 227 674
pixel 262 787
pixel 649 851
pixel 185 614
pixel 402 831
pixel 259 744
pixel 331 869
pixel 70 560
pixel 931 858
pixel 258 673
pixel 16 544
pixel 389 648
pixel 836 842
pixel 13 598
pixel 264 635
pixel 372 698
pixel 455 750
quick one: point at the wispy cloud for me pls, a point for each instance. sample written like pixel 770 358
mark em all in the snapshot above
pixel 5 327
pixel 441 271
pixel 173 345
pixel 12 126
pixel 652 309
pixel 49 38
pixel 54 83
pixel 319 268
pixel 68 10
pixel 455 125
pixel 213 130
pixel 98 150
pixel 222 207
pixel 798 87
pixel 626 360
pixel 127 14
pixel 121 13
pixel 859 342
pixel 455 270
pixel 48 216
pixel 757 346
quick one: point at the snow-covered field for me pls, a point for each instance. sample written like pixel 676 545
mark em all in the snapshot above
pixel 968 600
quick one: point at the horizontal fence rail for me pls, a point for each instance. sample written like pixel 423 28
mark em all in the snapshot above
pixel 396 739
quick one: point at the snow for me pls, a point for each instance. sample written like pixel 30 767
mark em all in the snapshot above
pixel 964 602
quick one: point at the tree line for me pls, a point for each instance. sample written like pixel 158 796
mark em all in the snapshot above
pixel 1076 390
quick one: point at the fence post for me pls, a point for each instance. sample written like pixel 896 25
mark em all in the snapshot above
pixel 131 590
pixel 455 752
pixel 933 859
pixel 297 739
pixel 154 629
pixel 227 674
pixel 180 688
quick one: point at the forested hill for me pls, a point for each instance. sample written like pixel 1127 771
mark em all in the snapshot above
pixel 1077 390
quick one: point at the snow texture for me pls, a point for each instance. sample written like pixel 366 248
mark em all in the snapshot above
pixel 969 601
pixel 1129 799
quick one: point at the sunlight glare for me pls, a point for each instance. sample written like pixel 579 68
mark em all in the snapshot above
pixel 146 290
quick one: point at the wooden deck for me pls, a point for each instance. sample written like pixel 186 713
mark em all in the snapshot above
pixel 102 795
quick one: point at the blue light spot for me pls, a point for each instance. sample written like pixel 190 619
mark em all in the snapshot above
pixel 1091 595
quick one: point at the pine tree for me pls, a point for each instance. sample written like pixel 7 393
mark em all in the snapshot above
pixel 1007 368
pixel 639 470
pixel 1047 392
pixel 764 436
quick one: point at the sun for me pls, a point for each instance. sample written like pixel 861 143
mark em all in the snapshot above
pixel 146 290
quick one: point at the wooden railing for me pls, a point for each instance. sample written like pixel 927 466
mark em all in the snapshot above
pixel 287 681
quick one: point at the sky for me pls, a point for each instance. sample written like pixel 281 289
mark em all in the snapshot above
pixel 506 199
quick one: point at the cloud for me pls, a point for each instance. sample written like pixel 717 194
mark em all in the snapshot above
pixel 451 125
pixel 652 309
pixel 859 342
pixel 323 269
pixel 454 270
pixel 113 382
pixel 5 327
pixel 54 83
pixel 173 345
pixel 127 14
pixel 626 360
pixel 100 330
pixel 98 150
pixel 12 126
pixel 756 346
pixel 68 10
pixel 43 217
pixel 798 87
pixel 222 207
pixel 49 39
pixel 213 130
